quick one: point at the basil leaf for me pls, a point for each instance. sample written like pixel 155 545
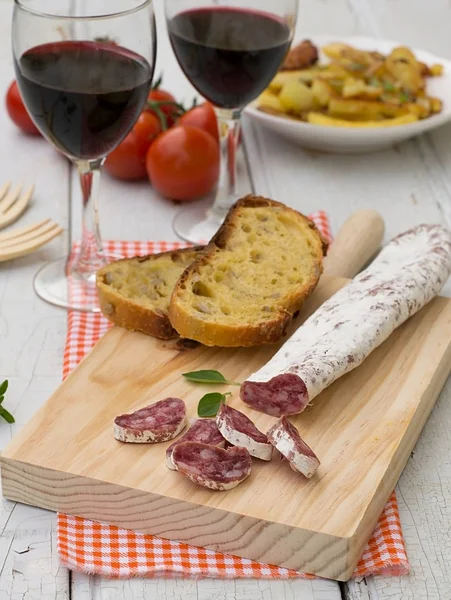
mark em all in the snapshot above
pixel 6 415
pixel 1 399
pixel 3 387
pixel 209 404
pixel 208 377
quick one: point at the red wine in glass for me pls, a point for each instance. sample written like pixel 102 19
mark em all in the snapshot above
pixel 84 70
pixel 229 54
pixel 84 96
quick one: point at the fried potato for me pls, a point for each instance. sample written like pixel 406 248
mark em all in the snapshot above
pixel 333 50
pixel 355 87
pixel 270 100
pixel 333 71
pixel 422 107
pixel 320 119
pixel 402 64
pixel 296 97
pixel 322 92
pixel 306 76
pixel 360 63
pixel 364 110
pixel 436 105
pixel 436 70
pixel 344 52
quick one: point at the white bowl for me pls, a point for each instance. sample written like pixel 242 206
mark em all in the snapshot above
pixel 344 140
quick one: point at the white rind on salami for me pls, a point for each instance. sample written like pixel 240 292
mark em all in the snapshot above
pixel 159 422
pixel 203 430
pixel 285 437
pixel 406 275
pixel 239 430
pixel 212 467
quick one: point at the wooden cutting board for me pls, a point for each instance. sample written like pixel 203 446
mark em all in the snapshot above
pixel 362 428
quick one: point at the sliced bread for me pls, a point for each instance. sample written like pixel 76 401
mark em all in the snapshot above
pixel 256 272
pixel 135 292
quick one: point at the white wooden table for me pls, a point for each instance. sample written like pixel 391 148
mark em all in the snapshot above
pixel 408 185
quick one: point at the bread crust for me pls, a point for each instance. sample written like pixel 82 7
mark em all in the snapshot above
pixel 130 315
pixel 209 333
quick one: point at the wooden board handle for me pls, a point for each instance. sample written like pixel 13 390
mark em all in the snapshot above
pixel 357 241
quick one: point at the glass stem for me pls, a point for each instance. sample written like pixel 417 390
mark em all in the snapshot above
pixel 91 256
pixel 229 133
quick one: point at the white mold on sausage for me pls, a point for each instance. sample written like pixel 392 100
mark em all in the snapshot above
pixel 406 275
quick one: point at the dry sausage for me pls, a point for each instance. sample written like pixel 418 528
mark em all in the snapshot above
pixel 406 275
pixel 212 467
pixel 203 430
pixel 285 437
pixel 239 430
pixel 158 422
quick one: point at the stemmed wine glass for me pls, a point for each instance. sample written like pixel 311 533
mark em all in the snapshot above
pixel 229 50
pixel 84 69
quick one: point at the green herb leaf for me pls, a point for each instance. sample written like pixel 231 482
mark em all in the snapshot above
pixel 356 67
pixel 3 387
pixel 388 86
pixel 1 399
pixel 403 97
pixel 6 415
pixel 207 376
pixel 209 404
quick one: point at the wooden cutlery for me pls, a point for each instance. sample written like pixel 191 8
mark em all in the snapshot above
pixel 27 239
pixel 13 203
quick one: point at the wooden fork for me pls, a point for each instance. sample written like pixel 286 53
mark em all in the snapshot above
pixel 27 239
pixel 13 203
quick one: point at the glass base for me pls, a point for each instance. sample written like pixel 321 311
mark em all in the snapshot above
pixel 52 284
pixel 196 224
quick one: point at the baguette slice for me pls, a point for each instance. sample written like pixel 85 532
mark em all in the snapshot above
pixel 135 292
pixel 250 280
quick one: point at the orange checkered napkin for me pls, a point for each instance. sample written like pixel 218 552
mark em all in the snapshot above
pixel 110 551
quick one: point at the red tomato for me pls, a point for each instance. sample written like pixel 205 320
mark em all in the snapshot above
pixel 146 129
pixel 127 161
pixel 165 102
pixel 183 163
pixel 17 111
pixel 204 117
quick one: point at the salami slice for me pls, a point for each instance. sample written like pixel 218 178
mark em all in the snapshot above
pixel 212 467
pixel 285 437
pixel 203 430
pixel 406 275
pixel 239 430
pixel 158 422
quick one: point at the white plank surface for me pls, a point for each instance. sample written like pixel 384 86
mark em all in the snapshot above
pixel 408 185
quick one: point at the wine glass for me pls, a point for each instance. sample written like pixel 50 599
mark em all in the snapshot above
pixel 229 50
pixel 84 70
